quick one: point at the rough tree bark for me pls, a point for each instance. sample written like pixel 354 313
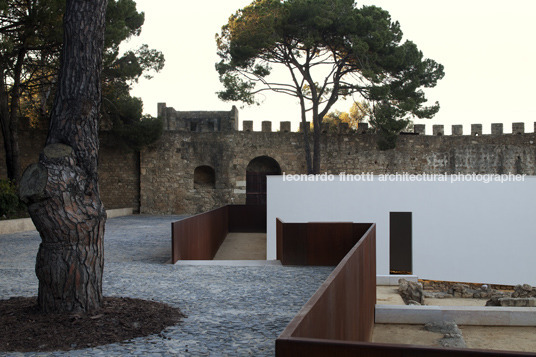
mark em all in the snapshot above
pixel 62 189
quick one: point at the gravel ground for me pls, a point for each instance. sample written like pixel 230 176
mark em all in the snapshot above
pixel 231 310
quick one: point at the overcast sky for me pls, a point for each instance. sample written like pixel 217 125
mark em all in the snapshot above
pixel 487 48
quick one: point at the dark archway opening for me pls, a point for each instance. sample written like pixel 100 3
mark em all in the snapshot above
pixel 204 177
pixel 256 173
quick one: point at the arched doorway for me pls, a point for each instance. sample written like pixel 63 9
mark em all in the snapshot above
pixel 256 173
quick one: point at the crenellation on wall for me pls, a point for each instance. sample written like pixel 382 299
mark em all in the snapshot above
pixel 284 127
pixel 496 129
pixel 266 126
pixel 247 125
pixel 457 130
pixel 438 130
pixel 307 125
pixel 476 129
pixel 217 121
pixel 419 129
pixel 162 178
pixel 518 128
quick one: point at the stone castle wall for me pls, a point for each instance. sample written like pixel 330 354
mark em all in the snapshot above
pixel 161 178
pixel 167 168
pixel 119 178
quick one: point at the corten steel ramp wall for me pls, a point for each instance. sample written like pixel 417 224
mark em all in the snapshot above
pixel 316 243
pixel 341 309
pixel 247 218
pixel 338 320
pixel 322 348
pixel 199 237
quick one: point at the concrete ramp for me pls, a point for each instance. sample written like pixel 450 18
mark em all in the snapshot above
pixel 243 246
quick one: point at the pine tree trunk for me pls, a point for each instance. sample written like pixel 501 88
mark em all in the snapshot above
pixel 9 122
pixel 306 132
pixel 316 142
pixel 62 189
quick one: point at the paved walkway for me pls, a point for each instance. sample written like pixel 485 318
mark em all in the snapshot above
pixel 243 246
pixel 232 311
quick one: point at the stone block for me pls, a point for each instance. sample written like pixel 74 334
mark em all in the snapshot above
pixel 419 129
pixel 462 315
pixel 476 129
pixel 161 109
pixel 343 128
pixel 266 126
pixel 307 123
pixel 438 130
pixel 518 302
pixel 284 126
pixel 247 125
pixel 457 130
pixel 411 291
pixel 518 128
pixel 496 129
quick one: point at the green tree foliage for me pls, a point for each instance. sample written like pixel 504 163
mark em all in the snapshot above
pixel 386 125
pixel 330 49
pixel 140 133
pixel 31 34
pixel 133 128
pixel 26 41
pixel 10 205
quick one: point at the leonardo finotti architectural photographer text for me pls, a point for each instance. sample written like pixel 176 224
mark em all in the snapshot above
pixel 405 177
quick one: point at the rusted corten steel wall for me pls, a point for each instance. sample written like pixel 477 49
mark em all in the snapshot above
pixel 339 319
pixel 316 243
pixel 343 307
pixel 321 348
pixel 199 237
pixel 247 218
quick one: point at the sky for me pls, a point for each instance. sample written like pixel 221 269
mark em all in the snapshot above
pixel 487 48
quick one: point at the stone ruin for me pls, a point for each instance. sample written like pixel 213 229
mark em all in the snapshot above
pixel 522 296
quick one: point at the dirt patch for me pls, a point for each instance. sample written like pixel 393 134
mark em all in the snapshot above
pixel 23 328
pixel 405 335
pixel 511 338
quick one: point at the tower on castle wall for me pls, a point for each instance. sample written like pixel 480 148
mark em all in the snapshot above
pixel 198 121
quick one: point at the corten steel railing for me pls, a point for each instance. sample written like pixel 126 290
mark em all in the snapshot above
pixel 199 237
pixel 320 348
pixel 343 306
pixel 316 243
pixel 338 320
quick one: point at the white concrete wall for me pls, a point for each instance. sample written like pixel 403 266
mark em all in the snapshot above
pixel 462 231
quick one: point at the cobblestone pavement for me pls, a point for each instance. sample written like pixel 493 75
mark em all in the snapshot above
pixel 231 310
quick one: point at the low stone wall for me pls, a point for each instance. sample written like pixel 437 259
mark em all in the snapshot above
pixel 462 315
pixel 26 224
